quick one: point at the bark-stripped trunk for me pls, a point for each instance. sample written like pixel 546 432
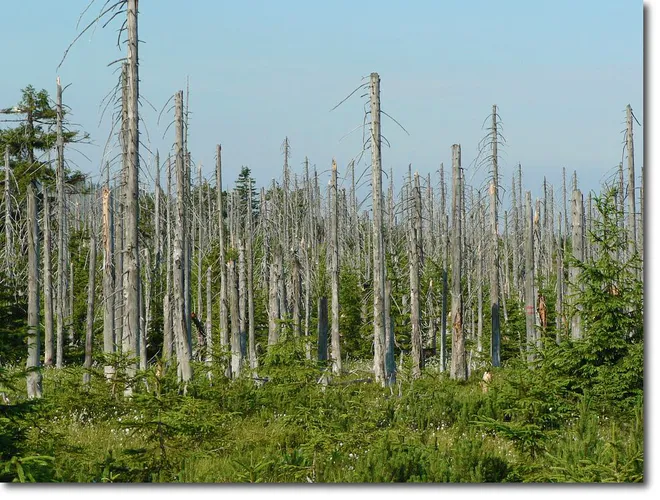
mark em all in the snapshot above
pixel 33 364
pixel 236 352
pixel 224 308
pixel 577 239
pixel 132 258
pixel 180 321
pixel 91 296
pixel 415 223
pixel 167 298
pixel 108 279
pixel 378 244
pixel 335 349
pixel 61 221
pixel 530 315
pixel 48 285
pixel 495 253
pixel 458 355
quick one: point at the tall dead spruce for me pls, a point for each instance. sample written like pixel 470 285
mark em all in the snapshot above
pixel 33 337
pixel 458 355
pixel 377 232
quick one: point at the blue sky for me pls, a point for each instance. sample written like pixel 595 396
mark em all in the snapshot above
pixel 561 73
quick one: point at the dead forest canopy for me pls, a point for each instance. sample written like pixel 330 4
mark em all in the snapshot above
pixel 451 327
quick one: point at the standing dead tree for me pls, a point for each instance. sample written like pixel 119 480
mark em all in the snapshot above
pixel 458 354
pixel 33 337
pixel 377 231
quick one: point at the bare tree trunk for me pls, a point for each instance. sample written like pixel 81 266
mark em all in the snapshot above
pixel 458 354
pixel 108 279
pixel 378 244
pixel 9 235
pixel 180 322
pixel 414 250
pixel 157 223
pixel 577 239
pixel 273 305
pixel 632 222
pixel 33 364
pixel 61 251
pixel 559 324
pixel 167 298
pixel 208 354
pixel 91 287
pixel 236 352
pixel 48 285
pixel 323 329
pixel 495 254
pixel 445 293
pixel 252 349
pixel 132 264
pixel 145 309
pixel 530 315
pixel 224 309
pixel 335 349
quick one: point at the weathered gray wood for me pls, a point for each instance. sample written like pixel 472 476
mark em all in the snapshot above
pixel 167 298
pixel 132 259
pixel 273 305
pixel 458 355
pixel 108 242
pixel 577 239
pixel 445 293
pixel 390 365
pixel 559 305
pixel 335 347
pixel 236 351
pixel 495 249
pixel 179 322
pixel 630 149
pixel 377 231
pixel 252 348
pixel 157 224
pixel 208 351
pixel 530 298
pixel 224 307
pixel 322 316
pixel 9 233
pixel 415 242
pixel 48 283
pixel 33 364
pixel 61 222
pixel 91 296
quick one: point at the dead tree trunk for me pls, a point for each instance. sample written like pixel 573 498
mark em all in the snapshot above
pixel 48 285
pixel 180 322
pixel 167 298
pixel 530 315
pixel 445 293
pixel 390 364
pixel 224 309
pixel 132 264
pixel 415 223
pixel 577 239
pixel 61 250
pixel 252 349
pixel 91 295
pixel 378 244
pixel 335 349
pixel 323 329
pixel 495 253
pixel 458 355
pixel 108 280
pixel 236 353
pixel 632 222
pixel 33 364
